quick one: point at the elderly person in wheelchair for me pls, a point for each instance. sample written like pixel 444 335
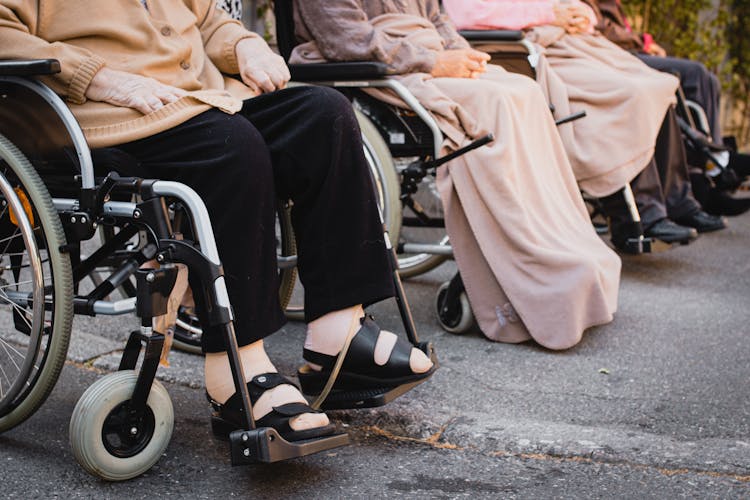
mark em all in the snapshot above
pixel 147 81
pixel 532 265
pixel 631 129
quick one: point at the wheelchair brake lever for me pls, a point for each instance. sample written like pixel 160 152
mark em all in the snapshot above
pixel 459 152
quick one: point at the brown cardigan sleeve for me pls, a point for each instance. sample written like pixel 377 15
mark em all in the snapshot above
pixel 612 24
pixel 19 20
pixel 220 34
pixel 343 32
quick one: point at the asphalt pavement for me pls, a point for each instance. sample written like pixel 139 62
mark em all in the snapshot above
pixel 654 405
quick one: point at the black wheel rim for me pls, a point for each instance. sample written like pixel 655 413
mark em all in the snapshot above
pixel 127 432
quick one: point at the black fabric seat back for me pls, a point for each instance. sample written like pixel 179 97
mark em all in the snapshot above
pixel 284 12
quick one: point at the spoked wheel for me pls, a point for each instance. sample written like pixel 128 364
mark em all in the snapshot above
pixel 188 331
pixel 454 316
pixel 113 441
pixel 36 290
pixel 428 198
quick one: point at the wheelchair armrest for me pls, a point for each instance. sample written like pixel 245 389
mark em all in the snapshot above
pixel 29 67
pixel 338 71
pixel 492 35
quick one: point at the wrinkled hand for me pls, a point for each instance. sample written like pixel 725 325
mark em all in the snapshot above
pixel 656 50
pixel 260 68
pixel 131 91
pixel 573 17
pixel 460 63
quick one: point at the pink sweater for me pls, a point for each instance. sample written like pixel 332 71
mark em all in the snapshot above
pixel 502 14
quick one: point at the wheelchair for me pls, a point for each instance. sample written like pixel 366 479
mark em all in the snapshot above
pixel 411 142
pixel 52 204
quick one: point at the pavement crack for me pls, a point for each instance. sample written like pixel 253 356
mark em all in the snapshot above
pixel 636 465
pixel 434 440
pixel 89 362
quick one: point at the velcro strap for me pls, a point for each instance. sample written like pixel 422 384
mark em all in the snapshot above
pixel 267 381
pixel 293 409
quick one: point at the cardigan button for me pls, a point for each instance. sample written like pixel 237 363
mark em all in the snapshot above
pixel 185 65
pixel 166 31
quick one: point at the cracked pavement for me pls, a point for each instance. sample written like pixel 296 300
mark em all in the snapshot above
pixel 654 405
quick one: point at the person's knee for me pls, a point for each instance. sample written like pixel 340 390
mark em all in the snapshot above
pixel 242 162
pixel 329 107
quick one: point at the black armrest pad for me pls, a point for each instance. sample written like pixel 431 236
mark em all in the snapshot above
pixel 492 35
pixel 338 71
pixel 29 67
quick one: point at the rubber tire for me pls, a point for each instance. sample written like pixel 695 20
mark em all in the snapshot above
pixel 385 177
pixel 88 419
pixel 62 278
pixel 465 323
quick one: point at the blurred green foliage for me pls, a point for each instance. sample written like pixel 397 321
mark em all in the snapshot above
pixel 713 32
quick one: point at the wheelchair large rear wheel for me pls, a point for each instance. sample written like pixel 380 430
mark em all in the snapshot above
pixel 384 175
pixel 428 199
pixel 36 289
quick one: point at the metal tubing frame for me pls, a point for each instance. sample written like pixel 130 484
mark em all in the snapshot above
pixel 401 91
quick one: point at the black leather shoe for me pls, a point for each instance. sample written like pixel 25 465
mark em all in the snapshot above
pixel 723 203
pixel 669 232
pixel 740 163
pixel 702 222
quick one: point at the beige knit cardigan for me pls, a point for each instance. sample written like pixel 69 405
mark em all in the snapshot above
pixel 188 44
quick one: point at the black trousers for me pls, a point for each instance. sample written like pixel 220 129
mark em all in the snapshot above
pixel 698 83
pixel 662 189
pixel 301 144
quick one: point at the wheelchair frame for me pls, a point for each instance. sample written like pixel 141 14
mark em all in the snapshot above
pixel 140 395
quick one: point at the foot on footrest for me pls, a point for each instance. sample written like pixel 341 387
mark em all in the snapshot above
pixel 266 445
pixel 353 392
pixel 636 246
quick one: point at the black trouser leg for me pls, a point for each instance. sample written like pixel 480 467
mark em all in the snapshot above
pixel 310 143
pixel 671 162
pixel 316 149
pixel 647 190
pixel 224 159
pixel 698 83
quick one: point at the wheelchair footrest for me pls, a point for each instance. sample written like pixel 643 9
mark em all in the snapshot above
pixel 266 445
pixel 637 246
pixel 366 398
pixel 354 399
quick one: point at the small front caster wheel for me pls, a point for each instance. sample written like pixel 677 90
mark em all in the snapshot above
pixel 110 439
pixel 455 316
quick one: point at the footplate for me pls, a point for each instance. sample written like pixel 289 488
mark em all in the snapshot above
pixel 637 246
pixel 266 445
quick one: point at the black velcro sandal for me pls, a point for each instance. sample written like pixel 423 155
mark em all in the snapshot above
pixel 228 417
pixel 359 379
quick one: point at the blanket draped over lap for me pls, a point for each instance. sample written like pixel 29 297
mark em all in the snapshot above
pixel 625 103
pixel 529 257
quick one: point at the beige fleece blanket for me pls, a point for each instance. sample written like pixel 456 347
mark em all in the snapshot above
pixel 532 263
pixel 625 103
